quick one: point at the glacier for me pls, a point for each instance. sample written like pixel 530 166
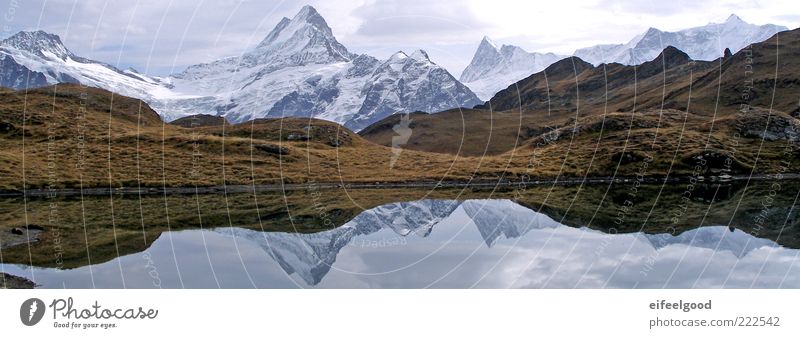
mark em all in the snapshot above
pixel 299 69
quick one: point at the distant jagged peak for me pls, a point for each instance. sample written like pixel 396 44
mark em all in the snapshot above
pixel 307 12
pixel 486 57
pixel 732 22
pixel 651 34
pixel 653 30
pixel 398 56
pixel 488 46
pixel 39 43
pixel 487 42
pixel 400 60
pixel 733 18
pixel 420 55
pixel 306 17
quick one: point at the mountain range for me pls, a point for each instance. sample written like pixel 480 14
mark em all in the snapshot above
pixel 493 69
pixel 35 59
pixel 607 119
pixel 299 69
pixel 673 79
pixel 576 120
pixel 700 43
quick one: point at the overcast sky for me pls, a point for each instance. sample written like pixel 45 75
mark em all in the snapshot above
pixel 162 36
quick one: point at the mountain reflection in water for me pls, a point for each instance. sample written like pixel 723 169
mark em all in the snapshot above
pixel 434 243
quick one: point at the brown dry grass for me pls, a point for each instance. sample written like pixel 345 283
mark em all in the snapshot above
pixel 73 136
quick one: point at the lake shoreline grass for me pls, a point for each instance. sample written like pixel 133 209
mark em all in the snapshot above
pixel 504 183
pixel 79 230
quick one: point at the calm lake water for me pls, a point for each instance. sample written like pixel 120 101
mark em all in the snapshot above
pixel 448 243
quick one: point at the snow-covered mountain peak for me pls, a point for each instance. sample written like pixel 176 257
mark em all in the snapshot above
pixel 39 43
pixel 420 55
pixel 307 12
pixel 38 58
pixel 700 43
pixel 487 42
pixel 300 69
pixel 650 35
pixel 733 18
pixel 304 39
pixel 493 68
pixel 486 56
pixel 652 30
pixel 398 56
pixel 399 59
pixel 307 19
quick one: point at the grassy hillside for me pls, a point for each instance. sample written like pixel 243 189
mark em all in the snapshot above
pixel 71 136
pixel 576 119
pixel 466 132
pixel 671 116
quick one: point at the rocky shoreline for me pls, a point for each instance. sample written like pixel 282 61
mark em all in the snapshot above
pixel 13 282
